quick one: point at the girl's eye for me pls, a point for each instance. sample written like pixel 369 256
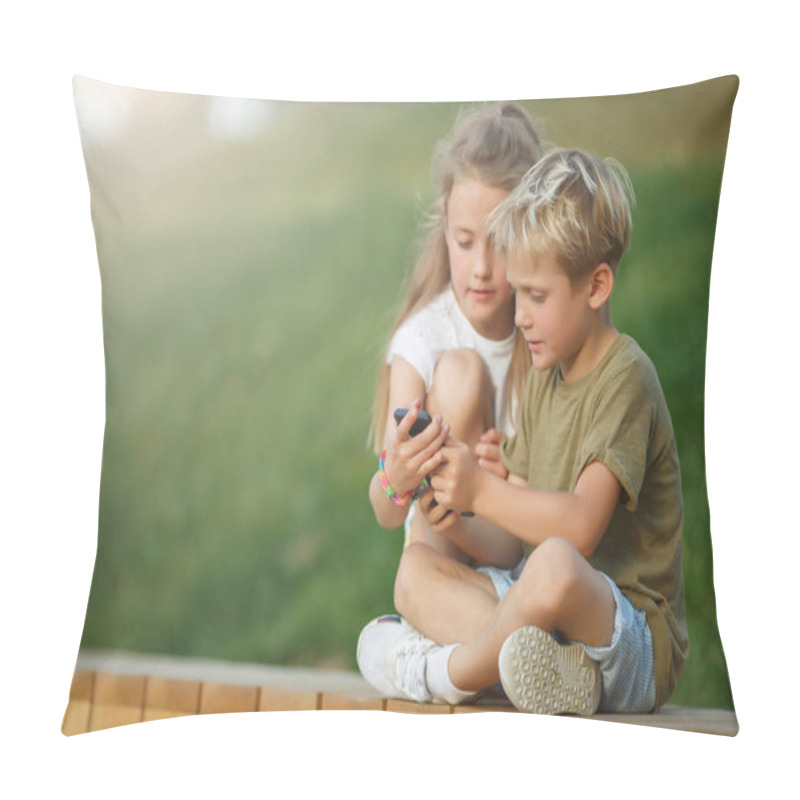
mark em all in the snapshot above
pixel 465 244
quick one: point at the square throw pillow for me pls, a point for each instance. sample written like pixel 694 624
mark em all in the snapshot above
pixel 254 256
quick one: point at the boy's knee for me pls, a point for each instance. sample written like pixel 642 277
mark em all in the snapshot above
pixel 556 552
pixel 551 574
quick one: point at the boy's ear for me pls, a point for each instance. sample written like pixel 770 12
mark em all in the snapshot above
pixel 600 286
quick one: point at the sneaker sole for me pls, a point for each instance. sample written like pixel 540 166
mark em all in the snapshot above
pixel 541 676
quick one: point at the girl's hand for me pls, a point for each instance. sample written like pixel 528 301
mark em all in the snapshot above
pixel 410 458
pixel 439 518
pixel 487 451
pixel 455 483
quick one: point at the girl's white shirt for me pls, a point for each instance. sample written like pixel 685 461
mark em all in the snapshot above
pixel 441 326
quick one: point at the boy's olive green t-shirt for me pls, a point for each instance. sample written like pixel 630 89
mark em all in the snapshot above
pixel 617 415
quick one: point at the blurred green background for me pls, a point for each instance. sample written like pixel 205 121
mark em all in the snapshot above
pixel 253 255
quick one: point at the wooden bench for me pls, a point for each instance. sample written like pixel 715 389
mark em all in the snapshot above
pixel 112 689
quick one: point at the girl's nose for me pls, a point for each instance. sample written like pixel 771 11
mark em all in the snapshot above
pixel 484 260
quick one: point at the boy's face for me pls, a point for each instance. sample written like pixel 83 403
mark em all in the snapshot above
pixel 552 312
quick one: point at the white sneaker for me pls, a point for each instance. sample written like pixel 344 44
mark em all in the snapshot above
pixel 541 676
pixel 392 657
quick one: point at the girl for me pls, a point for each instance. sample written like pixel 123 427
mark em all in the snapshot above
pixel 454 350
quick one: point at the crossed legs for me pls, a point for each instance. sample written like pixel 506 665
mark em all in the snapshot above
pixel 558 591
pixel 448 601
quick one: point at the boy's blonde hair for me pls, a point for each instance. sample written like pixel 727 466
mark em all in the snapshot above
pixel 495 145
pixel 572 206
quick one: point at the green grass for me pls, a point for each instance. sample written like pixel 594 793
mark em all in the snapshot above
pixel 247 296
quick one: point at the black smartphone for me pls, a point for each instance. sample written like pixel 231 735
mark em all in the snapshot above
pixel 420 423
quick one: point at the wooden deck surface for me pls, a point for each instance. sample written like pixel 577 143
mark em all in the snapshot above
pixel 110 689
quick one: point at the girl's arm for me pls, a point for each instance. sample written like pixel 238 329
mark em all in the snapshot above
pixel 408 459
pixel 581 517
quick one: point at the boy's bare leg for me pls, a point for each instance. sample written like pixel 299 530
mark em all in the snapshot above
pixel 441 597
pixel 557 591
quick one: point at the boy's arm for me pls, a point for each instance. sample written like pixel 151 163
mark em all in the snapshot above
pixel 478 538
pixel 581 517
pixel 487 451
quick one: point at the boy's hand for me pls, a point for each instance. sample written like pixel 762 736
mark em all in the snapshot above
pixel 439 518
pixel 487 452
pixel 410 458
pixel 455 482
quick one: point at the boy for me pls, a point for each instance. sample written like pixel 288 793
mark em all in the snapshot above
pixel 594 617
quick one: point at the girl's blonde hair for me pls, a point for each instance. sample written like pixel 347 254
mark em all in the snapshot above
pixel 495 145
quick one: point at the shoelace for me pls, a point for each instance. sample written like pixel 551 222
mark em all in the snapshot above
pixel 410 667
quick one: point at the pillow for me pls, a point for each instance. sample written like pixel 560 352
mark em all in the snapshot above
pixel 251 255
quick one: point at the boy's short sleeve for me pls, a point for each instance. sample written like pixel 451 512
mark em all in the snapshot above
pixel 619 436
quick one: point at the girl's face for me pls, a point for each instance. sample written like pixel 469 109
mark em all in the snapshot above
pixel 478 277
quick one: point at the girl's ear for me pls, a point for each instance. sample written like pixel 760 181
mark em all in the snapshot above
pixel 601 284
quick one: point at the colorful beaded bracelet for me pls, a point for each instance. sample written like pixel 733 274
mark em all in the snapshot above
pixel 398 500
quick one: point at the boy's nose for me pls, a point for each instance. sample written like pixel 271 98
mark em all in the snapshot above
pixel 521 317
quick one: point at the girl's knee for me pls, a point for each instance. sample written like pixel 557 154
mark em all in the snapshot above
pixel 460 369
pixel 462 392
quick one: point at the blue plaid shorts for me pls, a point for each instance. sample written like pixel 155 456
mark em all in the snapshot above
pixel 626 665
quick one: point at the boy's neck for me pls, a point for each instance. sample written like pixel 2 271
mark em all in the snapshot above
pixel 595 347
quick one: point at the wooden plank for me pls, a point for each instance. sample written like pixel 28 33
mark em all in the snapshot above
pixel 410 707
pixel 107 716
pixel 473 708
pixel 117 700
pixel 280 700
pixel 694 720
pixel 295 679
pixel 79 706
pixel 76 717
pixel 226 698
pixel 82 685
pixel 489 700
pixel 166 698
pixel 351 702
pixel 105 699
pixel 119 690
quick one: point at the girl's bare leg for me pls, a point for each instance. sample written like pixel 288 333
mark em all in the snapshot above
pixel 557 591
pixel 462 393
pixel 441 597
